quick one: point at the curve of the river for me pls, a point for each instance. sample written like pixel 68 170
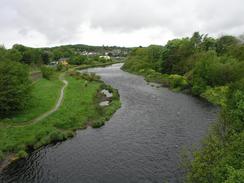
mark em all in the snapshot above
pixel 140 143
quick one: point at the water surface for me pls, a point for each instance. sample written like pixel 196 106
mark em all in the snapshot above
pixel 140 143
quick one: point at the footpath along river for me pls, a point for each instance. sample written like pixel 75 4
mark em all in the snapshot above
pixel 142 142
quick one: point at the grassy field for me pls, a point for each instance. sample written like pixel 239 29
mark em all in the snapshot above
pixel 79 108
pixel 45 93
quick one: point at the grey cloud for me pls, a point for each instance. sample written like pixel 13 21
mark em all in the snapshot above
pixel 61 21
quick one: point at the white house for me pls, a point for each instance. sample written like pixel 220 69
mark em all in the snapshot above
pixel 105 57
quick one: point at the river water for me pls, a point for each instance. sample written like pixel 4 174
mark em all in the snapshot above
pixel 140 143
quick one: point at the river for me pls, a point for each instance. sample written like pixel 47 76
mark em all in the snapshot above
pixel 142 142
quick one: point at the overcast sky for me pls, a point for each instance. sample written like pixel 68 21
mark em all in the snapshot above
pixel 41 23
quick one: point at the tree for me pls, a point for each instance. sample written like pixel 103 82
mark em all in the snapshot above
pixel 31 56
pixel 175 52
pixel 14 87
pixel 3 53
pixel 196 39
pixel 154 54
pixel 208 43
pixel 45 57
pixel 14 55
pixel 224 43
pixel 78 60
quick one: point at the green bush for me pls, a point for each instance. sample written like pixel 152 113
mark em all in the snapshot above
pixel 235 176
pixel 177 82
pixel 15 87
pixel 235 105
pixel 47 72
pixel 22 154
pixel 69 134
pixel 57 136
pixel 216 95
pixel 199 87
pixel 78 60
pixel 97 124
pixel 60 67
pixel 221 157
pixel 90 76
pixel 1 155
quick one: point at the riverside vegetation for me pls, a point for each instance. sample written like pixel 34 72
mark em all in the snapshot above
pixel 212 69
pixel 22 100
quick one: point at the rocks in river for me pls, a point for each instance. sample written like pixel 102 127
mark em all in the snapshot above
pixel 104 103
pixel 107 95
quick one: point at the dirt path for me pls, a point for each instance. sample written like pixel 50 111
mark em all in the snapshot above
pixel 56 107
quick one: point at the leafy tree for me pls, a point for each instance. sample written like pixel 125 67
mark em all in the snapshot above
pixel 78 60
pixel 47 72
pixel 14 55
pixel 154 56
pixel 173 53
pixel 196 39
pixel 31 56
pixel 208 43
pixel 14 87
pixel 224 43
pixel 3 53
pixel 19 47
pixel 45 57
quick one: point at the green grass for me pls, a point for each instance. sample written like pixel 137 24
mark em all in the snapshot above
pixel 45 93
pixel 79 108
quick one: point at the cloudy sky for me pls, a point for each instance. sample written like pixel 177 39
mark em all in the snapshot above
pixel 41 23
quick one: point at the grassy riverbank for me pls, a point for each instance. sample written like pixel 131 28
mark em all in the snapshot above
pixel 78 110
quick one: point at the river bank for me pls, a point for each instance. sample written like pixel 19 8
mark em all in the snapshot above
pixel 79 109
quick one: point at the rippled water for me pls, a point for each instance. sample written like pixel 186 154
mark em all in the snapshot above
pixel 140 143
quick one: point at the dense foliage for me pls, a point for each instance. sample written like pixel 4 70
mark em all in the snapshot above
pixel 14 87
pixel 47 72
pixel 212 69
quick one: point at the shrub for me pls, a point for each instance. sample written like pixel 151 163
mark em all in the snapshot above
pixel 47 72
pixel 153 76
pixel 22 154
pixel 69 134
pixel 235 176
pixel 178 82
pixel 1 155
pixel 57 136
pixel 221 157
pixel 60 67
pixel 97 124
pixel 90 76
pixel 216 95
pixel 199 86
pixel 15 87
